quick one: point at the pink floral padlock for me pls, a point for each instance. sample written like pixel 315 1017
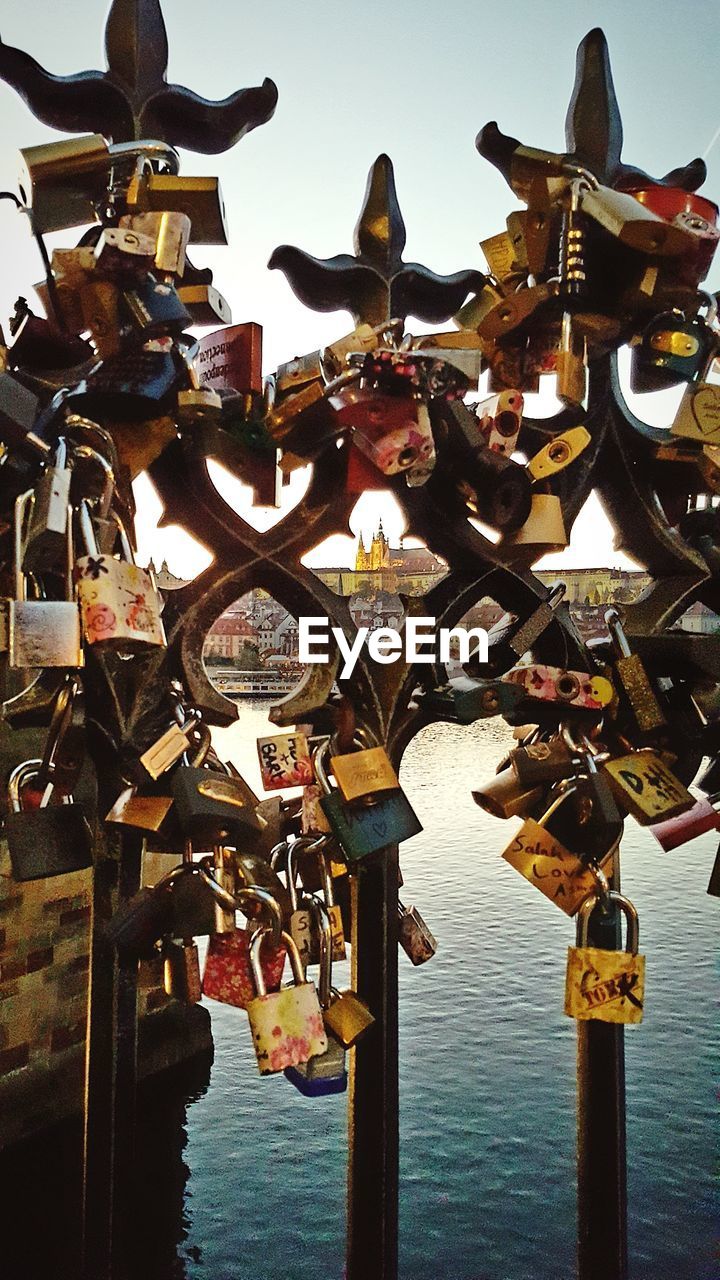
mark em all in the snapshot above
pixel 119 602
pixel 287 1025
pixel 227 976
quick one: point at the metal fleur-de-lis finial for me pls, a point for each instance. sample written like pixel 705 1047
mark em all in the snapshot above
pixel 593 128
pixel 375 285
pixel 132 99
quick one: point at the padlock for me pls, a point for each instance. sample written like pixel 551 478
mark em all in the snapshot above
pixel 558 453
pixel 199 198
pixel 181 970
pixel 50 840
pixel 225 872
pixel 140 922
pixel 539 763
pixel 362 830
pixel 544 525
pixel 602 985
pixel 647 788
pixel 134 386
pixel 122 252
pixel 511 638
pixel 287 1026
pixel 686 826
pixel 170 747
pixel 119 601
pixel 347 1017
pixel 672 349
pixel 312 816
pixel 46 542
pixel 193 898
pixel 252 871
pixel 213 805
pixel 170 233
pixel 323 1073
pixel 505 252
pixel 41 633
pixel 632 223
pixel 539 856
pixel 204 304
pixel 227 976
pixel 465 700
pixel 155 309
pixel 144 812
pixel 414 935
pixel 506 797
pixel 500 418
pixel 363 774
pixel 571 363
pixel 692 213
pixel 284 761
pixel 494 488
pixel 304 935
pixel 577 691
pixel 100 309
pixel 362 339
pixel 633 678
pixel 64 182
pixel 407 448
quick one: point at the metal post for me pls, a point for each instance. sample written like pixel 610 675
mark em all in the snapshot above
pixel 110 1065
pixel 373 1169
pixel 602 1165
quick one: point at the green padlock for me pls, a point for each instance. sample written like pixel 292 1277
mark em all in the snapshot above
pixel 465 700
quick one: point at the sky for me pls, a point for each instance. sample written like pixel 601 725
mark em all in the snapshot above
pixel 415 82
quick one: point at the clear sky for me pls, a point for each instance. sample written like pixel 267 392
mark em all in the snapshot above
pixel 417 82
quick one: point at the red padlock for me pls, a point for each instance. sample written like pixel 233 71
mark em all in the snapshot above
pixel 692 213
pixel 686 826
pixel 227 976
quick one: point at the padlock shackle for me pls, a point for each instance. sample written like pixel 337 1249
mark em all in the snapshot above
pixel 614 625
pixel 87 532
pixel 19 777
pixel 325 976
pixel 59 724
pixel 293 955
pixel 105 502
pixel 76 422
pixel 256 894
pixel 612 898
pixel 22 503
pixel 319 763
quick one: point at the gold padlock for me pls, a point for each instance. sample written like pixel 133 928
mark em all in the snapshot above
pixel 602 985
pixel 200 198
pixel 558 453
pixel 362 774
pixel 633 224
pixel 505 797
pixel 170 233
pixel 648 789
pixel 502 255
pixel 543 860
pixel 543 527
pixel 205 303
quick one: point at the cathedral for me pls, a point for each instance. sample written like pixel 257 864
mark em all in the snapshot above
pixel 378 557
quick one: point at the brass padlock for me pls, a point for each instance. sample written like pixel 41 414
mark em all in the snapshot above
pixel 602 985
pixel 363 774
pixel 542 859
pixel 200 198
pixel 646 787
pixel 181 970
pixel 543 527
pixel 634 678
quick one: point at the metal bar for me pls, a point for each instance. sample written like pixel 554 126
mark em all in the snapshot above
pixel 601 1145
pixel 126 1065
pixel 100 1069
pixel 373 1165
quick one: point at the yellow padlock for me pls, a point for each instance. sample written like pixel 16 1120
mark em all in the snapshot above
pixel 602 985
pixel 558 453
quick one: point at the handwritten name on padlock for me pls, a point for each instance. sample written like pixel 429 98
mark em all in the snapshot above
pixel 284 761
pixel 556 872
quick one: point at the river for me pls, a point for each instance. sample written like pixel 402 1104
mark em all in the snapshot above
pixel 487 1068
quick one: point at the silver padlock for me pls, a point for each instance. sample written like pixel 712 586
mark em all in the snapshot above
pixel 46 540
pixel 41 633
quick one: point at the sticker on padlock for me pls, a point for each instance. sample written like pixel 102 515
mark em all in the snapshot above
pixel 543 860
pixel 603 985
pixel 581 690
pixel 119 601
pixel 285 761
